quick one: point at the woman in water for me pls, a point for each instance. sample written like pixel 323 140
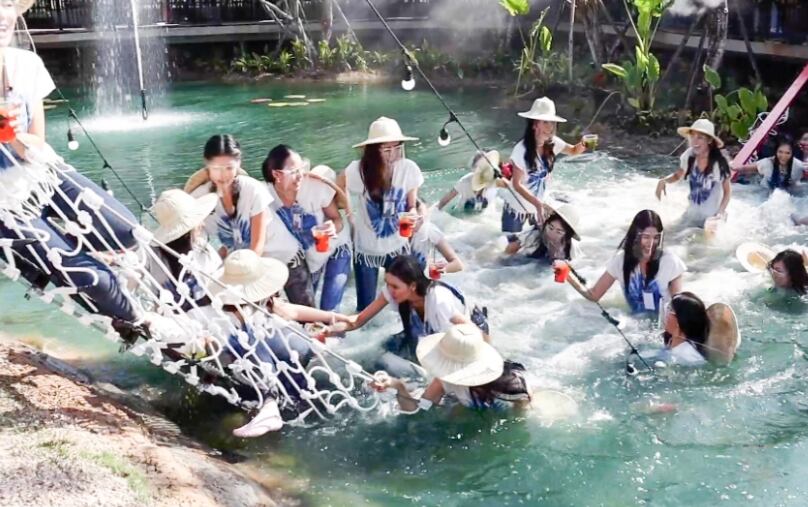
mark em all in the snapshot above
pixel 647 273
pixel 387 184
pixel 781 171
pixel 533 159
pixel 477 189
pixel 552 241
pixel 707 172
pixel 788 271
pixel 427 239
pixel 242 215
pixel 302 204
pixel 686 329
pixel 464 366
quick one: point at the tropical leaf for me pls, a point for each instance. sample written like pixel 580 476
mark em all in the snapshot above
pixel 546 39
pixel 748 100
pixel 615 69
pixel 634 103
pixel 762 101
pixel 738 129
pixel 653 68
pixel 712 77
pixel 515 7
pixel 721 102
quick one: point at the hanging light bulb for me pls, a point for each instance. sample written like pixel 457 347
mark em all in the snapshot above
pixel 72 144
pixel 444 138
pixel 408 83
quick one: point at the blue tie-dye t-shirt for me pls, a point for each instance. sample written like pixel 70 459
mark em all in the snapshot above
pixel 658 289
pixel 705 188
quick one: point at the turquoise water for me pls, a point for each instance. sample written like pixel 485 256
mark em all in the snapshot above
pixel 739 435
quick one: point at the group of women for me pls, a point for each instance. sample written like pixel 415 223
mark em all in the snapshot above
pixel 300 231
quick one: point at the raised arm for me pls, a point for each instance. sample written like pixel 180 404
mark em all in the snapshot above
pixel 453 263
pixel 446 199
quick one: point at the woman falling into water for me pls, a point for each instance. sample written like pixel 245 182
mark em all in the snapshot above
pixel 782 171
pixel 555 239
pixel 533 159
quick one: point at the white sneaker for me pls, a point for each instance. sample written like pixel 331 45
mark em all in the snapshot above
pixel 268 419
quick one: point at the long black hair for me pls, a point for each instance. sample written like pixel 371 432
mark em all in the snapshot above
pixel 691 315
pixel 568 233
pixel 795 268
pixel 224 145
pixel 370 169
pixel 275 160
pixel 182 245
pixel 642 220
pixel 510 386
pixel 532 151
pixel 714 156
pixel 407 269
pixel 784 141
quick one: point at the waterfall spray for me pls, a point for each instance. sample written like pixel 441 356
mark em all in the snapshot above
pixel 144 110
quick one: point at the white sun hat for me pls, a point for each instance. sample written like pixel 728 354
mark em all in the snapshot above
pixel 568 215
pixel 23 6
pixel 384 130
pixel 178 213
pixel 324 172
pixel 247 276
pixel 460 356
pixel 724 337
pixel 542 109
pixel 483 172
pixel 754 257
pixel 702 126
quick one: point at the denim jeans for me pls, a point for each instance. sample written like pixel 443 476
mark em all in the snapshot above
pixel 334 276
pixel 367 280
pixel 105 291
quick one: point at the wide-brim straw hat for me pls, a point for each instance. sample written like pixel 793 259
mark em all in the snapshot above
pixel 460 356
pixel 324 172
pixel 484 173
pixel 23 6
pixel 725 337
pixel 384 130
pixel 754 257
pixel 247 276
pixel 542 109
pixel 201 177
pixel 568 215
pixel 702 126
pixel 178 213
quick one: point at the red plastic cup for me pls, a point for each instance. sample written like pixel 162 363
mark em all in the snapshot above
pixel 406 224
pixel 507 170
pixel 434 273
pixel 321 239
pixel 561 273
pixel 7 133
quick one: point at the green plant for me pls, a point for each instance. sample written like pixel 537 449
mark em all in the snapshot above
pixel 515 7
pixel 300 54
pixel 325 55
pixel 284 63
pixel 640 77
pixel 735 113
pixel 536 57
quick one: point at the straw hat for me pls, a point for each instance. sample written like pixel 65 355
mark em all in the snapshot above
pixel 250 277
pixel 460 356
pixel 178 213
pixel 23 6
pixel 542 109
pixel 725 337
pixel 324 172
pixel 568 215
pixel 201 177
pixel 754 257
pixel 702 126
pixel 483 173
pixel 384 130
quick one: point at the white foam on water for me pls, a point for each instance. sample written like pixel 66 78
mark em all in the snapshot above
pixel 135 122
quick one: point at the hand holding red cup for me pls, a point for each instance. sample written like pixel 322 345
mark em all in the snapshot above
pixel 561 270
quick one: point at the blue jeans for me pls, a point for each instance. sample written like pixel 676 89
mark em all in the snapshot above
pixel 511 221
pixel 367 279
pixel 105 292
pixel 335 278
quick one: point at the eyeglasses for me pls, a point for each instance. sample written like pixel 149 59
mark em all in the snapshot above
pixel 296 170
pixel 393 150
pixel 224 167
pixel 770 267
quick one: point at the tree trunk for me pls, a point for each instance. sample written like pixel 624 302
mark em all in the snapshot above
pixel 593 32
pixel 716 29
pixel 327 19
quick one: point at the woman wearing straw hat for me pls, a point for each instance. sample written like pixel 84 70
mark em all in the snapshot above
pixel 180 231
pixel 787 268
pixel 647 273
pixel 533 159
pixel 304 204
pixel 242 215
pixel 707 172
pixel 386 183
pixel 551 241
pixel 476 189
pixel 464 366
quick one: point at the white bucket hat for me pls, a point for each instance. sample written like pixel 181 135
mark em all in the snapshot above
pixel 725 337
pixel 250 277
pixel 178 213
pixel 568 215
pixel 542 109
pixel 384 130
pixel 702 126
pixel 460 356
pixel 754 257
pixel 483 173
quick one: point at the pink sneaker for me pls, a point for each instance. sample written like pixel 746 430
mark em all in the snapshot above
pixel 268 419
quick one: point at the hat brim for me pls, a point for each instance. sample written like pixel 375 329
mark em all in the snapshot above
pixel 754 257
pixel 485 368
pixel 565 218
pixel 482 173
pixel 385 139
pixel 725 337
pixel 203 207
pixel 542 117
pixel 686 131
pixel 23 6
pixel 273 278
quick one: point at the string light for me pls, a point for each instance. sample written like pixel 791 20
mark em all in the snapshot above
pixel 72 144
pixel 408 83
pixel 444 139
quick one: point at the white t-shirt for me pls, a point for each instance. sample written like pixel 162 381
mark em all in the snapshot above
pixel 706 190
pixel 440 305
pixel 535 182
pixel 643 297
pixel 377 223
pixel 684 354
pixel 425 239
pixel 765 168
pixel 471 200
pixel 235 232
